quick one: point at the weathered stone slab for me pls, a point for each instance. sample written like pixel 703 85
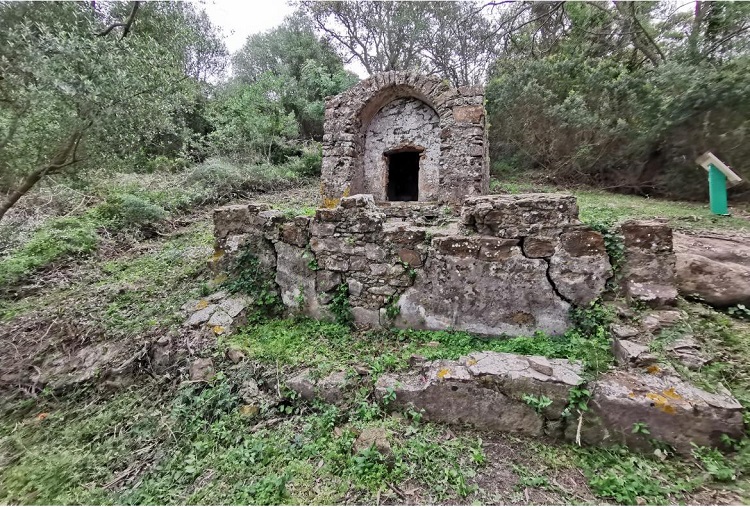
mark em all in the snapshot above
pixel 648 269
pixel 580 266
pixel 485 390
pixel 673 411
pixel 631 354
pixel 511 295
pixel 518 215
pixel 295 280
pixel 713 267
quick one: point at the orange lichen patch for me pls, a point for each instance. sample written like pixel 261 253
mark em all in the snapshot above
pixel 631 395
pixel 442 373
pixel 653 369
pixel 471 362
pixel 671 393
pixel 330 202
pixel 661 402
pixel 42 416
pixel 218 254
pixel 201 304
pixel 218 329
pixel 346 193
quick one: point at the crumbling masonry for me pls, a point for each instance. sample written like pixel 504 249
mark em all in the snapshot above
pixel 407 231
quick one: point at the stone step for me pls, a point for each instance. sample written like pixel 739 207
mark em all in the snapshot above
pixel 502 392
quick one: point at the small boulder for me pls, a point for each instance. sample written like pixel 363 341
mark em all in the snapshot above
pixel 670 409
pixel 330 389
pixel 201 369
pixel 631 354
pixel 235 355
pixel 373 437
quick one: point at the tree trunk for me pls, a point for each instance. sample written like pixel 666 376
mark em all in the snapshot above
pixel 65 156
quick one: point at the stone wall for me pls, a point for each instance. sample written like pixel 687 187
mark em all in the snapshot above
pixel 463 162
pixel 401 123
pixel 511 265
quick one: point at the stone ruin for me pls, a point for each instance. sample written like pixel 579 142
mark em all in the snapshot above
pixel 407 230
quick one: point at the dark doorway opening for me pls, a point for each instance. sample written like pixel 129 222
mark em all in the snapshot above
pixel 403 176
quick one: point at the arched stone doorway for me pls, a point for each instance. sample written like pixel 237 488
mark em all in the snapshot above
pixel 396 130
pixel 402 152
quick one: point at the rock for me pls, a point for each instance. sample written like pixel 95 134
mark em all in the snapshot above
pixel 234 306
pixel 201 369
pixel 623 332
pixel 537 247
pixel 457 289
pixel 216 296
pixel 235 355
pixel 648 268
pixel 201 316
pixel 249 411
pixel 410 257
pixel 486 390
pixel 673 411
pixel 580 266
pixel 632 354
pixel 656 321
pixel 330 389
pixel 220 318
pixel 714 268
pixel 517 215
pixel 688 352
pixel 373 437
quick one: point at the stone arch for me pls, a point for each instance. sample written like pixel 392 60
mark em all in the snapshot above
pixel 462 165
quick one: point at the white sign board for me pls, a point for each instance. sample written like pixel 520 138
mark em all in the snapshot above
pixel 709 158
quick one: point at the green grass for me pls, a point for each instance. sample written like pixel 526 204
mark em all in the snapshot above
pixel 602 207
pixel 606 208
pixel 195 447
pixel 326 346
pixel 133 293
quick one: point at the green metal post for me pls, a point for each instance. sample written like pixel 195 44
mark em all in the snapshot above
pixel 717 191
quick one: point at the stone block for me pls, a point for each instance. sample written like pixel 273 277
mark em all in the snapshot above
pixel 539 247
pixel 486 390
pixel 672 410
pixel 580 267
pixel 468 114
pixel 648 268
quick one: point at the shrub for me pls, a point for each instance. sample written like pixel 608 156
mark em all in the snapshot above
pixel 58 238
pixel 125 209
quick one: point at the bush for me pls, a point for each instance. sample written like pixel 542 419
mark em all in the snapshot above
pixel 122 210
pixel 58 238
pixel 598 121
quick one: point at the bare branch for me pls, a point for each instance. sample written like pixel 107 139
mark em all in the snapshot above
pixel 126 25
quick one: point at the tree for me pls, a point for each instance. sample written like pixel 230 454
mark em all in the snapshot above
pixel 307 69
pixel 80 85
pixel 382 36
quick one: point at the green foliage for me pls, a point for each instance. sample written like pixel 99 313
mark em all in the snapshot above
pixel 118 98
pixel 628 116
pixel 715 463
pixel 538 403
pixel 739 311
pixel 251 278
pixel 392 309
pixel 641 428
pixel 56 240
pixel 340 306
pixel 127 210
pixel 627 478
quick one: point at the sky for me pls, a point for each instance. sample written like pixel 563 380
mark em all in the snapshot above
pixel 240 18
